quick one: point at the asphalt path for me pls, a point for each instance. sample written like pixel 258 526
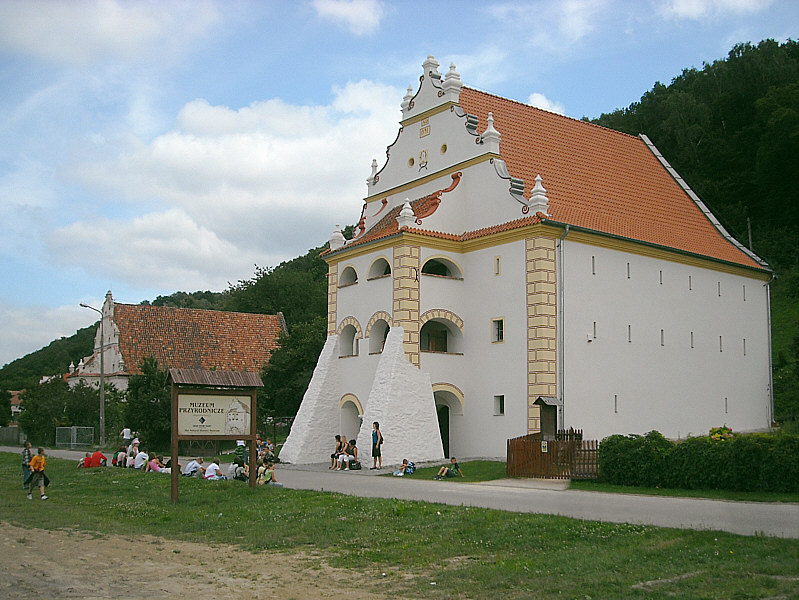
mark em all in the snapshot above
pixel 776 519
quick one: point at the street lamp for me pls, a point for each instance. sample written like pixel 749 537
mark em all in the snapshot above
pixel 102 374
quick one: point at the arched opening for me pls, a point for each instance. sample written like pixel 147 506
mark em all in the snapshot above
pixel 442 267
pixel 440 335
pixel 347 342
pixel 442 410
pixel 377 336
pixel 379 268
pixel 349 419
pixel 449 402
pixel 348 277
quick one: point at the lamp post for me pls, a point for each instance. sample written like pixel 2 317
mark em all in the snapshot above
pixel 102 374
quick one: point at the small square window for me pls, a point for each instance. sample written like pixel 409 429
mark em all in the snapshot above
pixel 497 330
pixel 499 405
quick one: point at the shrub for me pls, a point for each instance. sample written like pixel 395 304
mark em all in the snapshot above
pixel 751 462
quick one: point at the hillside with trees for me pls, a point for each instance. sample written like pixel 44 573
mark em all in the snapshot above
pixel 731 129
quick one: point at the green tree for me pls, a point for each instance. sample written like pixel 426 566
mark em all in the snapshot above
pixel 5 408
pixel 290 368
pixel 148 409
pixel 83 408
pixel 44 408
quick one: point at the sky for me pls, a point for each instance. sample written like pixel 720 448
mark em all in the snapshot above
pixel 148 147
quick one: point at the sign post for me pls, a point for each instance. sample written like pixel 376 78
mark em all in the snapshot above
pixel 213 405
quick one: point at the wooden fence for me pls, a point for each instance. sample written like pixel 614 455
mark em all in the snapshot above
pixel 568 456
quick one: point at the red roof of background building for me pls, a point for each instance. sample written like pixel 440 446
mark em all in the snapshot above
pixel 195 339
pixel 596 178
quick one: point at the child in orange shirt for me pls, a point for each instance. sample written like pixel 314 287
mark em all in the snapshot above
pixel 38 463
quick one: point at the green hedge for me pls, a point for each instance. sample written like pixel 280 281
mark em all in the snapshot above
pixel 751 462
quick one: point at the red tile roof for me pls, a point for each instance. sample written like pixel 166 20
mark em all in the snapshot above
pixel 600 179
pixel 195 339
pixel 596 178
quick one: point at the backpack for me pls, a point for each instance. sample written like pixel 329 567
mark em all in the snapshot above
pixel 355 465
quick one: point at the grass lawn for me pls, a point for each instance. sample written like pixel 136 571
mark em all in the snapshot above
pixel 473 471
pixel 467 552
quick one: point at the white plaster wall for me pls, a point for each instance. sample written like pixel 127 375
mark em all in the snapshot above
pixel 485 369
pixel 613 385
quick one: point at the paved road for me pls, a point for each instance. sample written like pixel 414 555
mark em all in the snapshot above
pixel 746 518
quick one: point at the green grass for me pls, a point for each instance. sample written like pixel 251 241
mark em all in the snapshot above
pixel 473 472
pixel 467 552
pixel 593 486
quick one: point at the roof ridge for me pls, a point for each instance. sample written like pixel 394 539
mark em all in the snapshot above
pixel 228 312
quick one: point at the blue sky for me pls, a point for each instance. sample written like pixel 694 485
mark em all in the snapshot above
pixel 150 147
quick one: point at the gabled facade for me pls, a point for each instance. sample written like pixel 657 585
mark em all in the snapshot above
pixel 541 272
pixel 179 338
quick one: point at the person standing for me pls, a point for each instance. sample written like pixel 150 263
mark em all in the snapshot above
pixel 126 435
pixel 26 465
pixel 377 441
pixel 38 463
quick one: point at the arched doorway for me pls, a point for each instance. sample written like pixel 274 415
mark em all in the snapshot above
pixel 350 416
pixel 443 426
pixel 449 403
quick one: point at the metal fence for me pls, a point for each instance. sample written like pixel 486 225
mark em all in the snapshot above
pixel 11 435
pixel 74 437
pixel 568 456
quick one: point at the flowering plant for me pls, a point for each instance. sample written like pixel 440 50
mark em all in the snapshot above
pixel 720 434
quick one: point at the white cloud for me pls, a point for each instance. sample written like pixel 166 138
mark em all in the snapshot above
pixel 541 101
pixel 699 9
pixel 29 328
pixel 87 31
pixel 228 188
pixel 552 27
pixel 161 250
pixel 361 17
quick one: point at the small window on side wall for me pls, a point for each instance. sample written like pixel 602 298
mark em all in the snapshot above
pixel 499 405
pixel 497 330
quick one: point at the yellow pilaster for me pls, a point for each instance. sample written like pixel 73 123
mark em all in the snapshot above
pixel 405 275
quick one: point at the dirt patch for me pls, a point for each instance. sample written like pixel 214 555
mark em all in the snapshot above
pixel 36 563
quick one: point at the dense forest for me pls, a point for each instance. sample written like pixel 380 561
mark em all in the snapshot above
pixel 731 129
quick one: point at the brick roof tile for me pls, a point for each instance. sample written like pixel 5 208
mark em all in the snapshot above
pixel 195 339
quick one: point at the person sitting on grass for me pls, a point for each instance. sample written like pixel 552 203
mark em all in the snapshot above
pixel 213 472
pixel 269 475
pixel 140 460
pixel 406 468
pixel 195 467
pixel 451 470
pixel 155 464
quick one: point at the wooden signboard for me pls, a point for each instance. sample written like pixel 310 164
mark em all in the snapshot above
pixel 213 405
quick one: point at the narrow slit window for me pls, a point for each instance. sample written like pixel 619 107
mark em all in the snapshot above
pixel 719 288
pixel 615 403
pixel 721 344
pixel 629 333
pixel 593 265
pixel 499 405
pixel 692 339
pixel 628 270
pixel 660 278
pixel 497 330
pixel 725 405
pixel 593 330
pixel 497 265
pixel 744 291
pixel 744 346
pixel 690 284
pixel 662 338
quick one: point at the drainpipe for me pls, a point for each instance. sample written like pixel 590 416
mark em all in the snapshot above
pixel 770 356
pixel 561 336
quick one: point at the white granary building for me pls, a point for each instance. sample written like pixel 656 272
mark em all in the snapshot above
pixel 515 270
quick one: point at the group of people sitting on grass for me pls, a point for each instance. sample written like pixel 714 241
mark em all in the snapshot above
pixel 238 470
pixel 345 456
pixel 131 457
